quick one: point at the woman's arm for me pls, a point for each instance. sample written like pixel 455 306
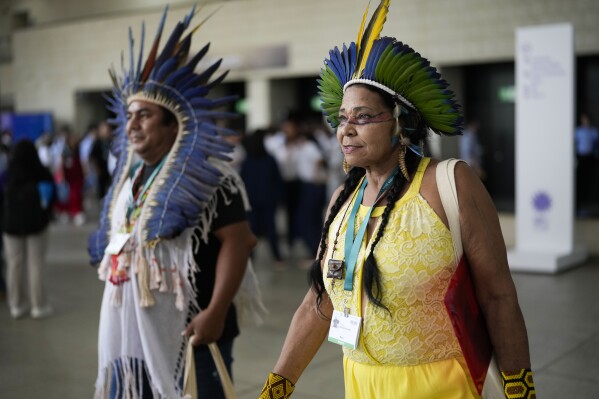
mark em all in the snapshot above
pixel 308 329
pixel 306 333
pixel 485 250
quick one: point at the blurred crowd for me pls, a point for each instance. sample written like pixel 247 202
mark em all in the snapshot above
pixel 292 168
pixel 43 181
pixel 289 170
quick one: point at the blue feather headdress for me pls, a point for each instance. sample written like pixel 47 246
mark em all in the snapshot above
pixel 393 67
pixel 188 179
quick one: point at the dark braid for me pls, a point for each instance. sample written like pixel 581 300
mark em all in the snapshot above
pixel 315 275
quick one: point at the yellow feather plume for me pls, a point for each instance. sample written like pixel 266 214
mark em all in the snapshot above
pixel 373 31
pixel 359 41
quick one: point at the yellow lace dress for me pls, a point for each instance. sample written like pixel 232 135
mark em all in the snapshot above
pixel 411 352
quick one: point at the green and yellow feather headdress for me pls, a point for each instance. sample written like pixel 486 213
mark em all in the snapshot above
pixel 393 67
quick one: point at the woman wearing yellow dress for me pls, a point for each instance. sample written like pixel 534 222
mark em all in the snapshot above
pixel 387 258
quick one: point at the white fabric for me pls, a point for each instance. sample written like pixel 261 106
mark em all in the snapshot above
pixel 134 331
pixel 285 155
pixel 301 159
pixel 129 331
pixel 309 163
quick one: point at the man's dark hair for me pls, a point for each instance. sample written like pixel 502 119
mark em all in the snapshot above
pixel 168 117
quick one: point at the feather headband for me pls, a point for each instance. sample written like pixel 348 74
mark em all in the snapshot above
pixel 188 178
pixel 393 67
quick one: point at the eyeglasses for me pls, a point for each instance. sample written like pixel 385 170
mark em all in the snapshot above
pixel 365 118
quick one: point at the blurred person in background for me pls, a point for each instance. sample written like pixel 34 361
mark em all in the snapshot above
pixel 471 150
pixel 303 169
pixel 238 155
pixel 85 147
pixel 283 146
pixel 99 158
pixel 264 186
pixel 27 199
pixel 69 179
pixel 312 172
pixel 44 150
pixel 586 142
pixel 4 152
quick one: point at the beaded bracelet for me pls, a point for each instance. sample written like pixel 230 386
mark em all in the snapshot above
pixel 518 384
pixel 277 387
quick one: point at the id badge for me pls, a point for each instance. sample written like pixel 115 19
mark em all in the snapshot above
pixel 345 330
pixel 117 242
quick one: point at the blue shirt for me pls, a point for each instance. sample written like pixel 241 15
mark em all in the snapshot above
pixel 586 138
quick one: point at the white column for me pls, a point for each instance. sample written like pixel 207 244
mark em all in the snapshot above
pixel 544 150
pixel 258 103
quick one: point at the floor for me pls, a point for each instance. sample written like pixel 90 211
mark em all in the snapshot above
pixel 56 357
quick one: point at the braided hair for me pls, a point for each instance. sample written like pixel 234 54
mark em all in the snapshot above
pixel 416 131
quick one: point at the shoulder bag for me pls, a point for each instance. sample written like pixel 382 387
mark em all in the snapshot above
pixel 460 300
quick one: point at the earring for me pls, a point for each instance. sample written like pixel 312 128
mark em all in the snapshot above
pixel 398 130
pixel 346 167
pixel 402 161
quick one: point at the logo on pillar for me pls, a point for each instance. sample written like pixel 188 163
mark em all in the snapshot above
pixel 541 202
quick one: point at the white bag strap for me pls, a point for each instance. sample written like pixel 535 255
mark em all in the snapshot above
pixel 223 373
pixel 493 386
pixel 190 390
pixel 445 175
pixel 190 387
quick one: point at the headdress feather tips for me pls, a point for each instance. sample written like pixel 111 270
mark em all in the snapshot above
pixel 372 33
pixel 188 178
pixel 392 66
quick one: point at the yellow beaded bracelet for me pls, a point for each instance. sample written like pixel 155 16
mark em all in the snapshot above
pixel 277 387
pixel 518 384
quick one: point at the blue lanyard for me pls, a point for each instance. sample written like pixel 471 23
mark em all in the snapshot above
pixel 352 245
pixel 136 202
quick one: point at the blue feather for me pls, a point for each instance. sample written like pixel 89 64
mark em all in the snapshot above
pixel 183 51
pixel 160 74
pixel 189 16
pixel 207 73
pixel 131 50
pixel 196 58
pixel 169 47
pixel 194 92
pixel 176 76
pixel 224 100
pixel 190 82
pixel 333 66
pixel 346 62
pixel 338 62
pixel 201 102
pixel 353 56
pixel 217 80
pixel 141 50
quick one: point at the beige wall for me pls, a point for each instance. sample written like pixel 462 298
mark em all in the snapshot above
pixel 7 86
pixel 51 63
pixel 56 11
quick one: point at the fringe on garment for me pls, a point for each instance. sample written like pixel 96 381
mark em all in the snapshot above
pixel 127 374
pixel 169 265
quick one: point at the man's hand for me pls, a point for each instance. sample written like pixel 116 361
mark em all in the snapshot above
pixel 206 327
